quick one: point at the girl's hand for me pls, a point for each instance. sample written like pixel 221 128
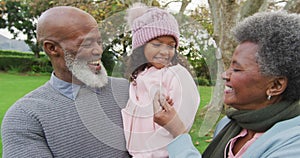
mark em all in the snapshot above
pixel 166 116
pixel 169 100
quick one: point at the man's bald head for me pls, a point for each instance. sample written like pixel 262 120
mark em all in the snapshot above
pixel 64 22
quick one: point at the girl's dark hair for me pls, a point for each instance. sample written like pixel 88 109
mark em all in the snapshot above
pixel 137 62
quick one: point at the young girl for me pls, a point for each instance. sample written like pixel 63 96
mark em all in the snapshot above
pixel 153 67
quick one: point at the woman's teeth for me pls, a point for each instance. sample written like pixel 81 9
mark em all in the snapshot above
pixel 228 88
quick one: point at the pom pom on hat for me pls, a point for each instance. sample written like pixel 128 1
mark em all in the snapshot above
pixel 149 23
pixel 135 11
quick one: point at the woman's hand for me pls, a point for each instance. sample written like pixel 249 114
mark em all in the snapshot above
pixel 166 116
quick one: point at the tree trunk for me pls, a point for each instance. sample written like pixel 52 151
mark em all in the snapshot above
pixel 225 15
pixel 214 108
pixel 35 49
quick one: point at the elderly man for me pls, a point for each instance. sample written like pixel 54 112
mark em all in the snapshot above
pixel 77 112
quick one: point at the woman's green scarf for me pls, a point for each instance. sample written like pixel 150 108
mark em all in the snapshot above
pixel 257 120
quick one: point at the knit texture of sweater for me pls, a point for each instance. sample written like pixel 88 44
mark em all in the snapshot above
pixel 45 123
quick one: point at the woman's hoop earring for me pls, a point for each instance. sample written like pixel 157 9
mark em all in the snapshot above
pixel 269 97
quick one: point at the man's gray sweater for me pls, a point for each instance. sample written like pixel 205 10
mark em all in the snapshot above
pixel 45 123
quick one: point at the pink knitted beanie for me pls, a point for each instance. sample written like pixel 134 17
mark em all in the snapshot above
pixel 149 23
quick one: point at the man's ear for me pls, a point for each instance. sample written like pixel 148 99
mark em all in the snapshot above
pixel 278 86
pixel 51 48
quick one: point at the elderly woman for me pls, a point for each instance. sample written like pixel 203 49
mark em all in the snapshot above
pixel 262 90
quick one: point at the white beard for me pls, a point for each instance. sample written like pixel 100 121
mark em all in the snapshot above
pixel 82 72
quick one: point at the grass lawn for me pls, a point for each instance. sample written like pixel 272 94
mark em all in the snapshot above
pixel 14 86
pixel 201 140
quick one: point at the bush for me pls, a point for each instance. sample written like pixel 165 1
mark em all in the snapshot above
pixel 203 81
pixel 17 53
pixel 13 61
pixel 42 64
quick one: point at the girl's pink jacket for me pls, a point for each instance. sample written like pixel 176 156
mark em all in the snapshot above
pixel 144 137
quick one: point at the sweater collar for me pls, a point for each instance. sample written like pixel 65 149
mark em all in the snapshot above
pixel 67 89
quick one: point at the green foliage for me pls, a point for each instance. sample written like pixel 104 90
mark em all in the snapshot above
pixel 15 63
pixel 21 17
pixel 15 69
pixel 18 62
pixel 108 61
pixel 2 9
pixel 203 81
pixel 15 53
pixel 203 16
pixel 41 65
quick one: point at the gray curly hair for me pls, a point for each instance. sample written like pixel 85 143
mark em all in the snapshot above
pixel 278 37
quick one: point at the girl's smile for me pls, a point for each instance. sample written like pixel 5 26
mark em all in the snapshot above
pixel 160 51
